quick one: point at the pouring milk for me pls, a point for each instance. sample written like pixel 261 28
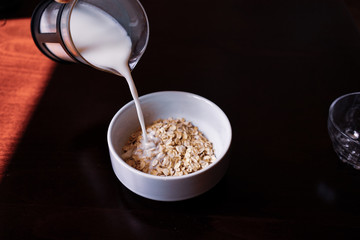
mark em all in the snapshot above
pixel 104 43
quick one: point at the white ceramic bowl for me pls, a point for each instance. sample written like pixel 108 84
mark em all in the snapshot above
pixel 204 114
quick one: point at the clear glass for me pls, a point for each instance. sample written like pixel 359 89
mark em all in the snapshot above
pixel 129 13
pixel 344 128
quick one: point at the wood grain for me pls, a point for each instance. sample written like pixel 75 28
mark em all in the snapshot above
pixel 24 72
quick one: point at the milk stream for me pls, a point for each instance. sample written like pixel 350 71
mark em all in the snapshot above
pixel 104 43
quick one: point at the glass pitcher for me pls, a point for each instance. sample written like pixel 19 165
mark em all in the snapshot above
pixel 50 27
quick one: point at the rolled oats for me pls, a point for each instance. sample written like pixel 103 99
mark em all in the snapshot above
pixel 175 147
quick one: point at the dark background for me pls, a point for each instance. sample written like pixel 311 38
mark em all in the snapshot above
pixel 274 67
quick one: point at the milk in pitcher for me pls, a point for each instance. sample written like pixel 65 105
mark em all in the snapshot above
pixel 104 43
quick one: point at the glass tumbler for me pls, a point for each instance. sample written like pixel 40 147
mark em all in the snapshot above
pixel 344 128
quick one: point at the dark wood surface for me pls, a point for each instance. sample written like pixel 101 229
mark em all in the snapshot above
pixel 274 67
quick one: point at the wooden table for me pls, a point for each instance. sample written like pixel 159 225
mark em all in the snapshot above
pixel 274 67
pixel 24 74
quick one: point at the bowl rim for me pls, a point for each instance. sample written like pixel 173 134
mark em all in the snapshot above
pixel 331 118
pixel 168 178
